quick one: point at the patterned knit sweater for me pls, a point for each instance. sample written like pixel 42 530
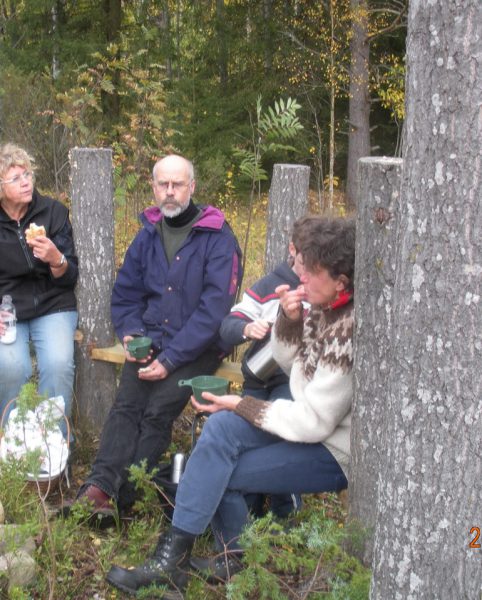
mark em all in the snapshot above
pixel 318 355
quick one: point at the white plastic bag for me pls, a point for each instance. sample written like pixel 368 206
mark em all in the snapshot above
pixel 37 430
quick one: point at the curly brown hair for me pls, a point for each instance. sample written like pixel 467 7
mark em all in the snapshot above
pixel 329 243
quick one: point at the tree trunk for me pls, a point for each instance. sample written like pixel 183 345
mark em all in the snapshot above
pixel 288 201
pixel 431 476
pixel 359 99
pixel 222 45
pixel 164 21
pixel 267 8
pixel 377 217
pixel 331 162
pixel 93 224
pixel 113 20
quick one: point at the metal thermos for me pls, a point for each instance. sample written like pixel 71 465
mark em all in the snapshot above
pixel 262 364
pixel 177 466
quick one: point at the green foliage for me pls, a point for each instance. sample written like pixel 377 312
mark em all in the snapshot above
pixel 20 501
pixel 270 128
pixel 153 591
pixel 142 132
pixel 28 399
pixel 181 76
pixel 272 553
pixel 17 593
pixel 350 580
pixel 268 131
pixel 389 84
pixel 145 485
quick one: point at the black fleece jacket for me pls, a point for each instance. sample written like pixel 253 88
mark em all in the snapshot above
pixel 34 290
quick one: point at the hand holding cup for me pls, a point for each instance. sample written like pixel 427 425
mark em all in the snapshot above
pixel 139 348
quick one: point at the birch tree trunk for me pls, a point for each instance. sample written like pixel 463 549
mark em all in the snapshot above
pixel 429 509
pixel 93 225
pixel 288 201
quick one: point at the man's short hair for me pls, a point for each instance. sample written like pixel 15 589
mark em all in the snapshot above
pixel 190 166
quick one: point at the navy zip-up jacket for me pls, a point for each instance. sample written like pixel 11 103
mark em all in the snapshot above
pixel 179 305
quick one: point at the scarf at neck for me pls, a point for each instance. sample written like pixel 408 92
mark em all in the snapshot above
pixel 342 299
pixel 185 217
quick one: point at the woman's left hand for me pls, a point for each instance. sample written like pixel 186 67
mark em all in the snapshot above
pixel 227 402
pixel 45 250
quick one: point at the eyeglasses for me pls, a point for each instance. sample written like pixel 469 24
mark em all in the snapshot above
pixel 26 176
pixel 176 185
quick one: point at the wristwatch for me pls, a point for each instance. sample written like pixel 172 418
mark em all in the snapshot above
pixel 62 261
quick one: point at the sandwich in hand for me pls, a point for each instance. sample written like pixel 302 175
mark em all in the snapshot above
pixel 34 231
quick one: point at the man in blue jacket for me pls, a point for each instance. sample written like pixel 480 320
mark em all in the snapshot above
pixel 179 279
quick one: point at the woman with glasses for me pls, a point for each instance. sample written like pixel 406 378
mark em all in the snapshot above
pixel 39 273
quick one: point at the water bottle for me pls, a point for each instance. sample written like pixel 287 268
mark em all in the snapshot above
pixel 8 316
pixel 177 467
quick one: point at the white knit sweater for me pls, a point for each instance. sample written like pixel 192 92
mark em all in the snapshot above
pixel 318 355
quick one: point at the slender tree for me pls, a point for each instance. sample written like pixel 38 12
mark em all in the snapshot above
pixel 359 95
pixel 222 44
pixel 371 21
pixel 112 28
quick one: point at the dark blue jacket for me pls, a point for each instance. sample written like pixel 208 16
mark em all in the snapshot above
pixel 179 305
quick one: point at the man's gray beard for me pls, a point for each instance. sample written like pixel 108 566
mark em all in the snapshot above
pixel 170 213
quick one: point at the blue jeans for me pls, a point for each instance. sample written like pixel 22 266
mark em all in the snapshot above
pixel 53 340
pixel 281 505
pixel 139 425
pixel 233 458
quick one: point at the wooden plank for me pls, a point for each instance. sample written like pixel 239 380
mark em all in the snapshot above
pixel 115 354
pixel 112 354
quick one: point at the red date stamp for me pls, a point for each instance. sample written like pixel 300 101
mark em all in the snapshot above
pixel 475 533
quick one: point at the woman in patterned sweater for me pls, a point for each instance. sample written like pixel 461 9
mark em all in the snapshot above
pixel 250 445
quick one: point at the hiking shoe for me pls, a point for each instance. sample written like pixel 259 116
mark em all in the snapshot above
pixel 103 512
pixel 168 565
pixel 217 569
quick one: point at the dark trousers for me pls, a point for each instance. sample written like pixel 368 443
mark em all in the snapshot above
pixel 139 424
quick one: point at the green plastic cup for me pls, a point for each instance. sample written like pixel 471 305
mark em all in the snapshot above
pixel 206 383
pixel 139 347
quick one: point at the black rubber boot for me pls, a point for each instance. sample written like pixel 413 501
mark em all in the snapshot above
pixel 168 565
pixel 220 568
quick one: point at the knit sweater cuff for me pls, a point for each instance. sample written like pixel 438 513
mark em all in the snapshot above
pixel 252 410
pixel 287 330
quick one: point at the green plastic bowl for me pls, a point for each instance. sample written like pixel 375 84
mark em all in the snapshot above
pixel 139 347
pixel 206 383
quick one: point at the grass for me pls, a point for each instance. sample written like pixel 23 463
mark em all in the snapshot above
pixel 306 561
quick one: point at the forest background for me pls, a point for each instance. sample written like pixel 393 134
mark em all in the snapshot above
pixel 148 77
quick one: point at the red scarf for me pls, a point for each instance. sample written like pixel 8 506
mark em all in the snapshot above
pixel 342 299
